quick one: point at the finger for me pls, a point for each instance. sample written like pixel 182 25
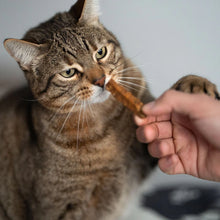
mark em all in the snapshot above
pixel 151 132
pixel 161 148
pixel 150 119
pixel 144 121
pixel 171 165
pixel 179 102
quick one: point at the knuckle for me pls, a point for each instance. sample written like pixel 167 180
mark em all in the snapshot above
pixel 167 94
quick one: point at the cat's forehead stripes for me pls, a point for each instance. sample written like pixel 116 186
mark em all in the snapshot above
pixel 86 44
pixel 69 39
pixel 68 58
pixel 76 42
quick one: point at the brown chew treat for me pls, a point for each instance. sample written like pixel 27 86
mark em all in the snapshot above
pixel 126 98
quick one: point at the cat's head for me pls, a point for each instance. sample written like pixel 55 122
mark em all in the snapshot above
pixel 69 58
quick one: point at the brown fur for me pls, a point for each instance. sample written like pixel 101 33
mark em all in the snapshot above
pixel 72 153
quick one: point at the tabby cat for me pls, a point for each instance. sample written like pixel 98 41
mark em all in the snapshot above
pixel 71 152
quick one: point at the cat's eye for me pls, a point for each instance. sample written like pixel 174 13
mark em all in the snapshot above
pixel 101 53
pixel 68 73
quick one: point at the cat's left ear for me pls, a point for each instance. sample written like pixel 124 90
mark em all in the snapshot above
pixel 86 11
pixel 22 51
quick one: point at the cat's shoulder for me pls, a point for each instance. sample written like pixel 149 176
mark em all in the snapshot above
pixel 14 101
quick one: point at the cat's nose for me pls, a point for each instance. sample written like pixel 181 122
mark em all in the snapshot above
pixel 100 82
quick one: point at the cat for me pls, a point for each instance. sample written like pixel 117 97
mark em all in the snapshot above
pixel 70 152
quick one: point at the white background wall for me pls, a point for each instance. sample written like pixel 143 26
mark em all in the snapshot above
pixel 166 38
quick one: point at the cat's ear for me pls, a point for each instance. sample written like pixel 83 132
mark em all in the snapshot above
pixel 86 11
pixel 22 51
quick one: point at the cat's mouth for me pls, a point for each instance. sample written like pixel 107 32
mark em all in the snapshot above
pixel 100 94
pixel 103 81
pixel 95 93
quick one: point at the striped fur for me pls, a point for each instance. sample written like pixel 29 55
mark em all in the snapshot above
pixel 72 153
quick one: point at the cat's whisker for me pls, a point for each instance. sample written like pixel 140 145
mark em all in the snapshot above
pixel 86 104
pixel 133 84
pixel 129 68
pixel 91 110
pixel 84 111
pixel 125 71
pixel 78 127
pixel 130 77
pixel 128 87
pixel 68 116
pixel 61 107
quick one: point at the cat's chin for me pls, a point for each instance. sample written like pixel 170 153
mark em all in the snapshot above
pixel 99 95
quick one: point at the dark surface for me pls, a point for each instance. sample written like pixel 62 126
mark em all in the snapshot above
pixel 176 202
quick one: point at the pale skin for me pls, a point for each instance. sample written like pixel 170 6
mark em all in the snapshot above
pixel 183 131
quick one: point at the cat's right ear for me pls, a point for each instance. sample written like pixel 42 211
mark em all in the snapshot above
pixel 22 51
pixel 86 11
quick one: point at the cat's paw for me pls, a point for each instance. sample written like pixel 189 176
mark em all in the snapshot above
pixel 196 84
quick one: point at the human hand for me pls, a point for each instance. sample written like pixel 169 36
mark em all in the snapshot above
pixel 183 131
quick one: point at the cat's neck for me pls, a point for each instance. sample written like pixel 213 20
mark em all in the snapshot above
pixel 84 147
pixel 75 129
